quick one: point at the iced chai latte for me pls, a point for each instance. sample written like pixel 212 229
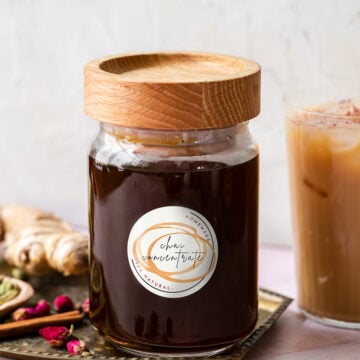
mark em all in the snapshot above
pixel 324 162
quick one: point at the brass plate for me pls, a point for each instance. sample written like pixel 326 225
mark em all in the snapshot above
pixel 271 306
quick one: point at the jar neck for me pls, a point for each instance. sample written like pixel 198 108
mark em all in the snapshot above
pixel 175 138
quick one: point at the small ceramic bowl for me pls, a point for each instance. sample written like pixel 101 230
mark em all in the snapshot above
pixel 26 292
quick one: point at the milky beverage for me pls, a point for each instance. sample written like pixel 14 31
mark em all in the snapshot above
pixel 324 163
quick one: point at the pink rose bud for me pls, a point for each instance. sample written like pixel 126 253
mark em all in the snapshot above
pixel 56 335
pixel 41 309
pixel 86 306
pixel 23 314
pixel 63 303
pixel 77 347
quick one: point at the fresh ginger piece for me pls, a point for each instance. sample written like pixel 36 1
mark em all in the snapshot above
pixel 38 242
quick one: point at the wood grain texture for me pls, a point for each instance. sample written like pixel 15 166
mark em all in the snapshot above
pixel 169 91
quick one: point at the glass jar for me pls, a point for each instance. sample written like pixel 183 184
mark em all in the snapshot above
pixel 173 223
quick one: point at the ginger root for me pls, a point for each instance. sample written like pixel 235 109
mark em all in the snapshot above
pixel 39 243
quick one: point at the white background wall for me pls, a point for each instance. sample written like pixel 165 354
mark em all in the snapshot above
pixel 44 136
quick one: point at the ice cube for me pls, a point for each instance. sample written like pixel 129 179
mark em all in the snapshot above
pixel 344 137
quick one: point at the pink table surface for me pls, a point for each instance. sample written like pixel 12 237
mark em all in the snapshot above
pixel 294 337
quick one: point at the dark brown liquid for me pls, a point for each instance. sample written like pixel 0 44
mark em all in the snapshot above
pixel 225 309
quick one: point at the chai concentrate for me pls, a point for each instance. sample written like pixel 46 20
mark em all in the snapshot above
pixel 217 191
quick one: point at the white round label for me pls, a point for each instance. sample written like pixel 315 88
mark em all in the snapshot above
pixel 172 251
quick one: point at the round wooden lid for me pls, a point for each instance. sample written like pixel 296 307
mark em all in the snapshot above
pixel 172 91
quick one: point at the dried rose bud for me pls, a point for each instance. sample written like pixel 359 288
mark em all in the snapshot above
pixel 63 303
pixel 56 335
pixel 24 314
pixel 77 347
pixel 86 306
pixel 42 308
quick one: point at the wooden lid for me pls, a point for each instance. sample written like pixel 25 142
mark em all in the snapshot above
pixel 170 91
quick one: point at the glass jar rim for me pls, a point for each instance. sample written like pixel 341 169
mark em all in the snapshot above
pixel 173 137
pixel 310 100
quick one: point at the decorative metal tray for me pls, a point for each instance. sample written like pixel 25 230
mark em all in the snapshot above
pixel 271 306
